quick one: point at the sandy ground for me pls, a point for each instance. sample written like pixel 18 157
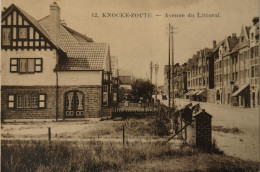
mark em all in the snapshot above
pixel 244 145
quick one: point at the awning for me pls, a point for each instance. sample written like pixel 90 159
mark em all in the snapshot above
pixel 240 90
pixel 188 93
pixel 193 93
pixel 201 92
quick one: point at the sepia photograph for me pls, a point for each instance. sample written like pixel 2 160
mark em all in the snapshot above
pixel 130 85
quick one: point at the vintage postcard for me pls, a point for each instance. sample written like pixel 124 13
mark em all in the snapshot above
pixel 130 85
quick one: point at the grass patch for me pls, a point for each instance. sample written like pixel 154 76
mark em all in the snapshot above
pixel 76 156
pixel 233 130
pixel 98 156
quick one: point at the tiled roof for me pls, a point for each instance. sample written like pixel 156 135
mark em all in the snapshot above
pixel 218 45
pixel 190 63
pixel 247 30
pixel 85 56
pixel 235 49
pixel 81 55
pixel 80 37
pixel 33 21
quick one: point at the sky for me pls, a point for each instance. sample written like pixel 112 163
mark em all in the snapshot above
pixel 138 41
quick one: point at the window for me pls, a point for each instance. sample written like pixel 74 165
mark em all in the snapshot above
pixel 13 65
pixel 11 101
pixel 6 36
pixel 42 101
pixel 252 36
pixel 26 65
pixel 105 95
pixel 257 71
pixel 27 101
pixel 252 53
pixel 19 101
pixel 253 71
pixel 242 39
pixel 256 51
pixel 115 94
pixel 35 101
pixel 22 33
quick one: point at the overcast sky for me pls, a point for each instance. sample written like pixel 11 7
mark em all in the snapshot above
pixel 136 41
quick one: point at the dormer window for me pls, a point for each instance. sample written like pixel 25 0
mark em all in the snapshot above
pixel 242 39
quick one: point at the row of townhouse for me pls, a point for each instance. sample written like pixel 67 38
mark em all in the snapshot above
pixel 180 78
pixel 52 71
pixel 227 73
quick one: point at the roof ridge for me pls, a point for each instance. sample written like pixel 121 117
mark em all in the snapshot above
pixel 78 33
pixel 43 18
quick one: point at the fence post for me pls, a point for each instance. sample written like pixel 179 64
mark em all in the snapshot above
pixel 49 133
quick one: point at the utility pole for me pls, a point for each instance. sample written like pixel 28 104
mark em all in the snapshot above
pixel 173 95
pixel 151 72
pixel 169 64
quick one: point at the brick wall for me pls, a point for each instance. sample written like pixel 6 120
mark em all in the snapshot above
pixel 46 113
pixel 92 99
pixel 211 93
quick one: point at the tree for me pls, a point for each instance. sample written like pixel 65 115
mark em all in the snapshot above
pixel 142 88
pixel 124 94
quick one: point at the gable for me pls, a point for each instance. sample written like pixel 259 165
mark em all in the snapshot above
pixel 21 31
pixel 243 35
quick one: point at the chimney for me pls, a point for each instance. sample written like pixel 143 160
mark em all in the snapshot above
pixel 62 22
pixel 214 43
pixel 55 22
pixel 234 35
pixel 255 20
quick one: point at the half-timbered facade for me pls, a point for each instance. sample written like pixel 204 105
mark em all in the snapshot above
pixel 50 70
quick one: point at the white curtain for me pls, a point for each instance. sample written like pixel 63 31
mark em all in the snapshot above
pixel 70 96
pixel 80 96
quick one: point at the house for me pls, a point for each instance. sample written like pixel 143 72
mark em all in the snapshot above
pixel 254 63
pixel 193 76
pixel 180 80
pixel 50 70
pixel 218 72
pixel 125 79
pixel 230 67
pixel 126 82
pixel 115 79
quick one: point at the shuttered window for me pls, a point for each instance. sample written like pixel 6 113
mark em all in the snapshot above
pixel 26 65
pixel 28 101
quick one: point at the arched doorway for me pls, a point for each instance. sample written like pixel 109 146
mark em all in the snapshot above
pixel 74 104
